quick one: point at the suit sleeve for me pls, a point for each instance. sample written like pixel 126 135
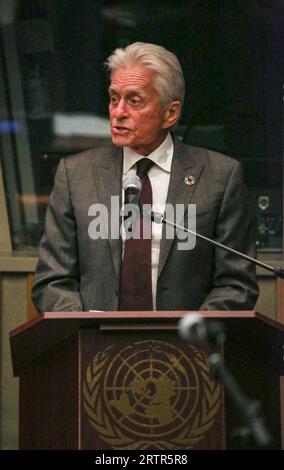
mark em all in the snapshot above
pixel 234 278
pixel 57 280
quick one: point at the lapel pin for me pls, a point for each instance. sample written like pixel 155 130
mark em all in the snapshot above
pixel 189 180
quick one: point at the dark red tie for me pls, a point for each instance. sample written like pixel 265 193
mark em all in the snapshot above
pixel 136 272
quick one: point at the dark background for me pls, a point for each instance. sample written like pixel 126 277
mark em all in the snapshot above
pixel 232 57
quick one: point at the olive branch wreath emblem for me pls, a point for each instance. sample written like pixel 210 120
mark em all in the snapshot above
pixel 113 435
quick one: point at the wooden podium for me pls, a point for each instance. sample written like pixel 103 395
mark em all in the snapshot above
pixel 125 380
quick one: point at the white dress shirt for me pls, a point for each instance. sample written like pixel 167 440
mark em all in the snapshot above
pixel 159 175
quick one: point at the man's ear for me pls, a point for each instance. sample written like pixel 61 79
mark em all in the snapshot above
pixel 172 114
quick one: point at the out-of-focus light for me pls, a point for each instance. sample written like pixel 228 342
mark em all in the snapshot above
pixel 7 127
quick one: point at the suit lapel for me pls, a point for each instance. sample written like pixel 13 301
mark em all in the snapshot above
pixel 186 162
pixel 107 174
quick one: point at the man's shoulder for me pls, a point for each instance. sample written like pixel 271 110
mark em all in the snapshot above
pixel 206 157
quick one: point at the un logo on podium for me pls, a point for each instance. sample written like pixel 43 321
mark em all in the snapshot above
pixel 151 395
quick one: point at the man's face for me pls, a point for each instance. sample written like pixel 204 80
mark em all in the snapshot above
pixel 137 118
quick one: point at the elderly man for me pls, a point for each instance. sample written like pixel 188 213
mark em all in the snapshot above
pixel 77 271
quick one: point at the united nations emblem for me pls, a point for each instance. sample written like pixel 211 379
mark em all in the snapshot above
pixel 151 395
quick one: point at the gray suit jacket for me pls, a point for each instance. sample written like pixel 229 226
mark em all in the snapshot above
pixel 75 272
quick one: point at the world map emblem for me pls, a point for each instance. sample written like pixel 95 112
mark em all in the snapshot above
pixel 150 395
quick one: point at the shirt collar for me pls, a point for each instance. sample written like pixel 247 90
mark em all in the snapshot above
pixel 162 156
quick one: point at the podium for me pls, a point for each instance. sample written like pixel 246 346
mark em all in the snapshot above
pixel 125 380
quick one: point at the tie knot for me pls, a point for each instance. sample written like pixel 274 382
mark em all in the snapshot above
pixel 143 166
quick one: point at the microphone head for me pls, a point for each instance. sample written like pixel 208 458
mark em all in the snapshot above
pixel 192 327
pixel 195 328
pixel 157 217
pixel 131 182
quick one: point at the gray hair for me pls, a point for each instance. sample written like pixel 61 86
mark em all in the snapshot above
pixel 169 82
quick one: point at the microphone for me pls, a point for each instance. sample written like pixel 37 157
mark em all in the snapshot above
pixel 131 211
pixel 132 186
pixel 193 327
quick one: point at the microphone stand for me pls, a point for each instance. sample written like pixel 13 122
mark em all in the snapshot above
pixel 254 428
pixel 159 218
